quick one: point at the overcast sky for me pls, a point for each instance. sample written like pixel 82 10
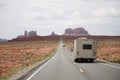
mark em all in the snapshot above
pixel 99 17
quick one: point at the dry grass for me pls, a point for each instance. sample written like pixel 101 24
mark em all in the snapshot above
pixel 109 50
pixel 15 56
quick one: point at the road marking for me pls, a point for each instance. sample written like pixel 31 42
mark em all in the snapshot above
pixel 41 67
pixel 110 65
pixel 81 70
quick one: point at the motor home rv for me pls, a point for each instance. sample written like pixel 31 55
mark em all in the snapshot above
pixel 84 50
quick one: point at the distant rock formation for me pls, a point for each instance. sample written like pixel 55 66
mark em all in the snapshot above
pixel 3 40
pixel 53 34
pixel 28 34
pixel 32 33
pixel 76 32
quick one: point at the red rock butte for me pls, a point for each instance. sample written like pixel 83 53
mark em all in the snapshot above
pixel 76 32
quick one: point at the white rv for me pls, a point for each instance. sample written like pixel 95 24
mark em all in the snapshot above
pixel 84 49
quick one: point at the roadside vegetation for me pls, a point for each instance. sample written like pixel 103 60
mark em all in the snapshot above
pixel 15 56
pixel 107 49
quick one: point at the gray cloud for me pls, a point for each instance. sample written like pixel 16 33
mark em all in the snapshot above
pixel 96 16
pixel 2 5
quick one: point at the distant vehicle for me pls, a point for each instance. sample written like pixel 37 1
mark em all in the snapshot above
pixel 84 49
pixel 63 45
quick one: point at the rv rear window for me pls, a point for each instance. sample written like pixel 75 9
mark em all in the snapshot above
pixel 87 46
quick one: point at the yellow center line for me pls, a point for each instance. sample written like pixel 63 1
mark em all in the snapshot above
pixel 81 70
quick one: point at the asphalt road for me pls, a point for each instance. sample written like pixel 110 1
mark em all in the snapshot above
pixel 62 67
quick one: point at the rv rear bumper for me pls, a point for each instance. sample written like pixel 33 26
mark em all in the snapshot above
pixel 84 59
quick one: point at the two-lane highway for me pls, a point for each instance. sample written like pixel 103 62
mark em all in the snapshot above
pixel 62 67
pixel 58 68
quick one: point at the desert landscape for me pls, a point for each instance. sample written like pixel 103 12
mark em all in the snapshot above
pixel 37 39
pixel 15 56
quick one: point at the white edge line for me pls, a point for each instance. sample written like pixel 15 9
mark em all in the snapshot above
pixel 41 67
pixel 111 66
